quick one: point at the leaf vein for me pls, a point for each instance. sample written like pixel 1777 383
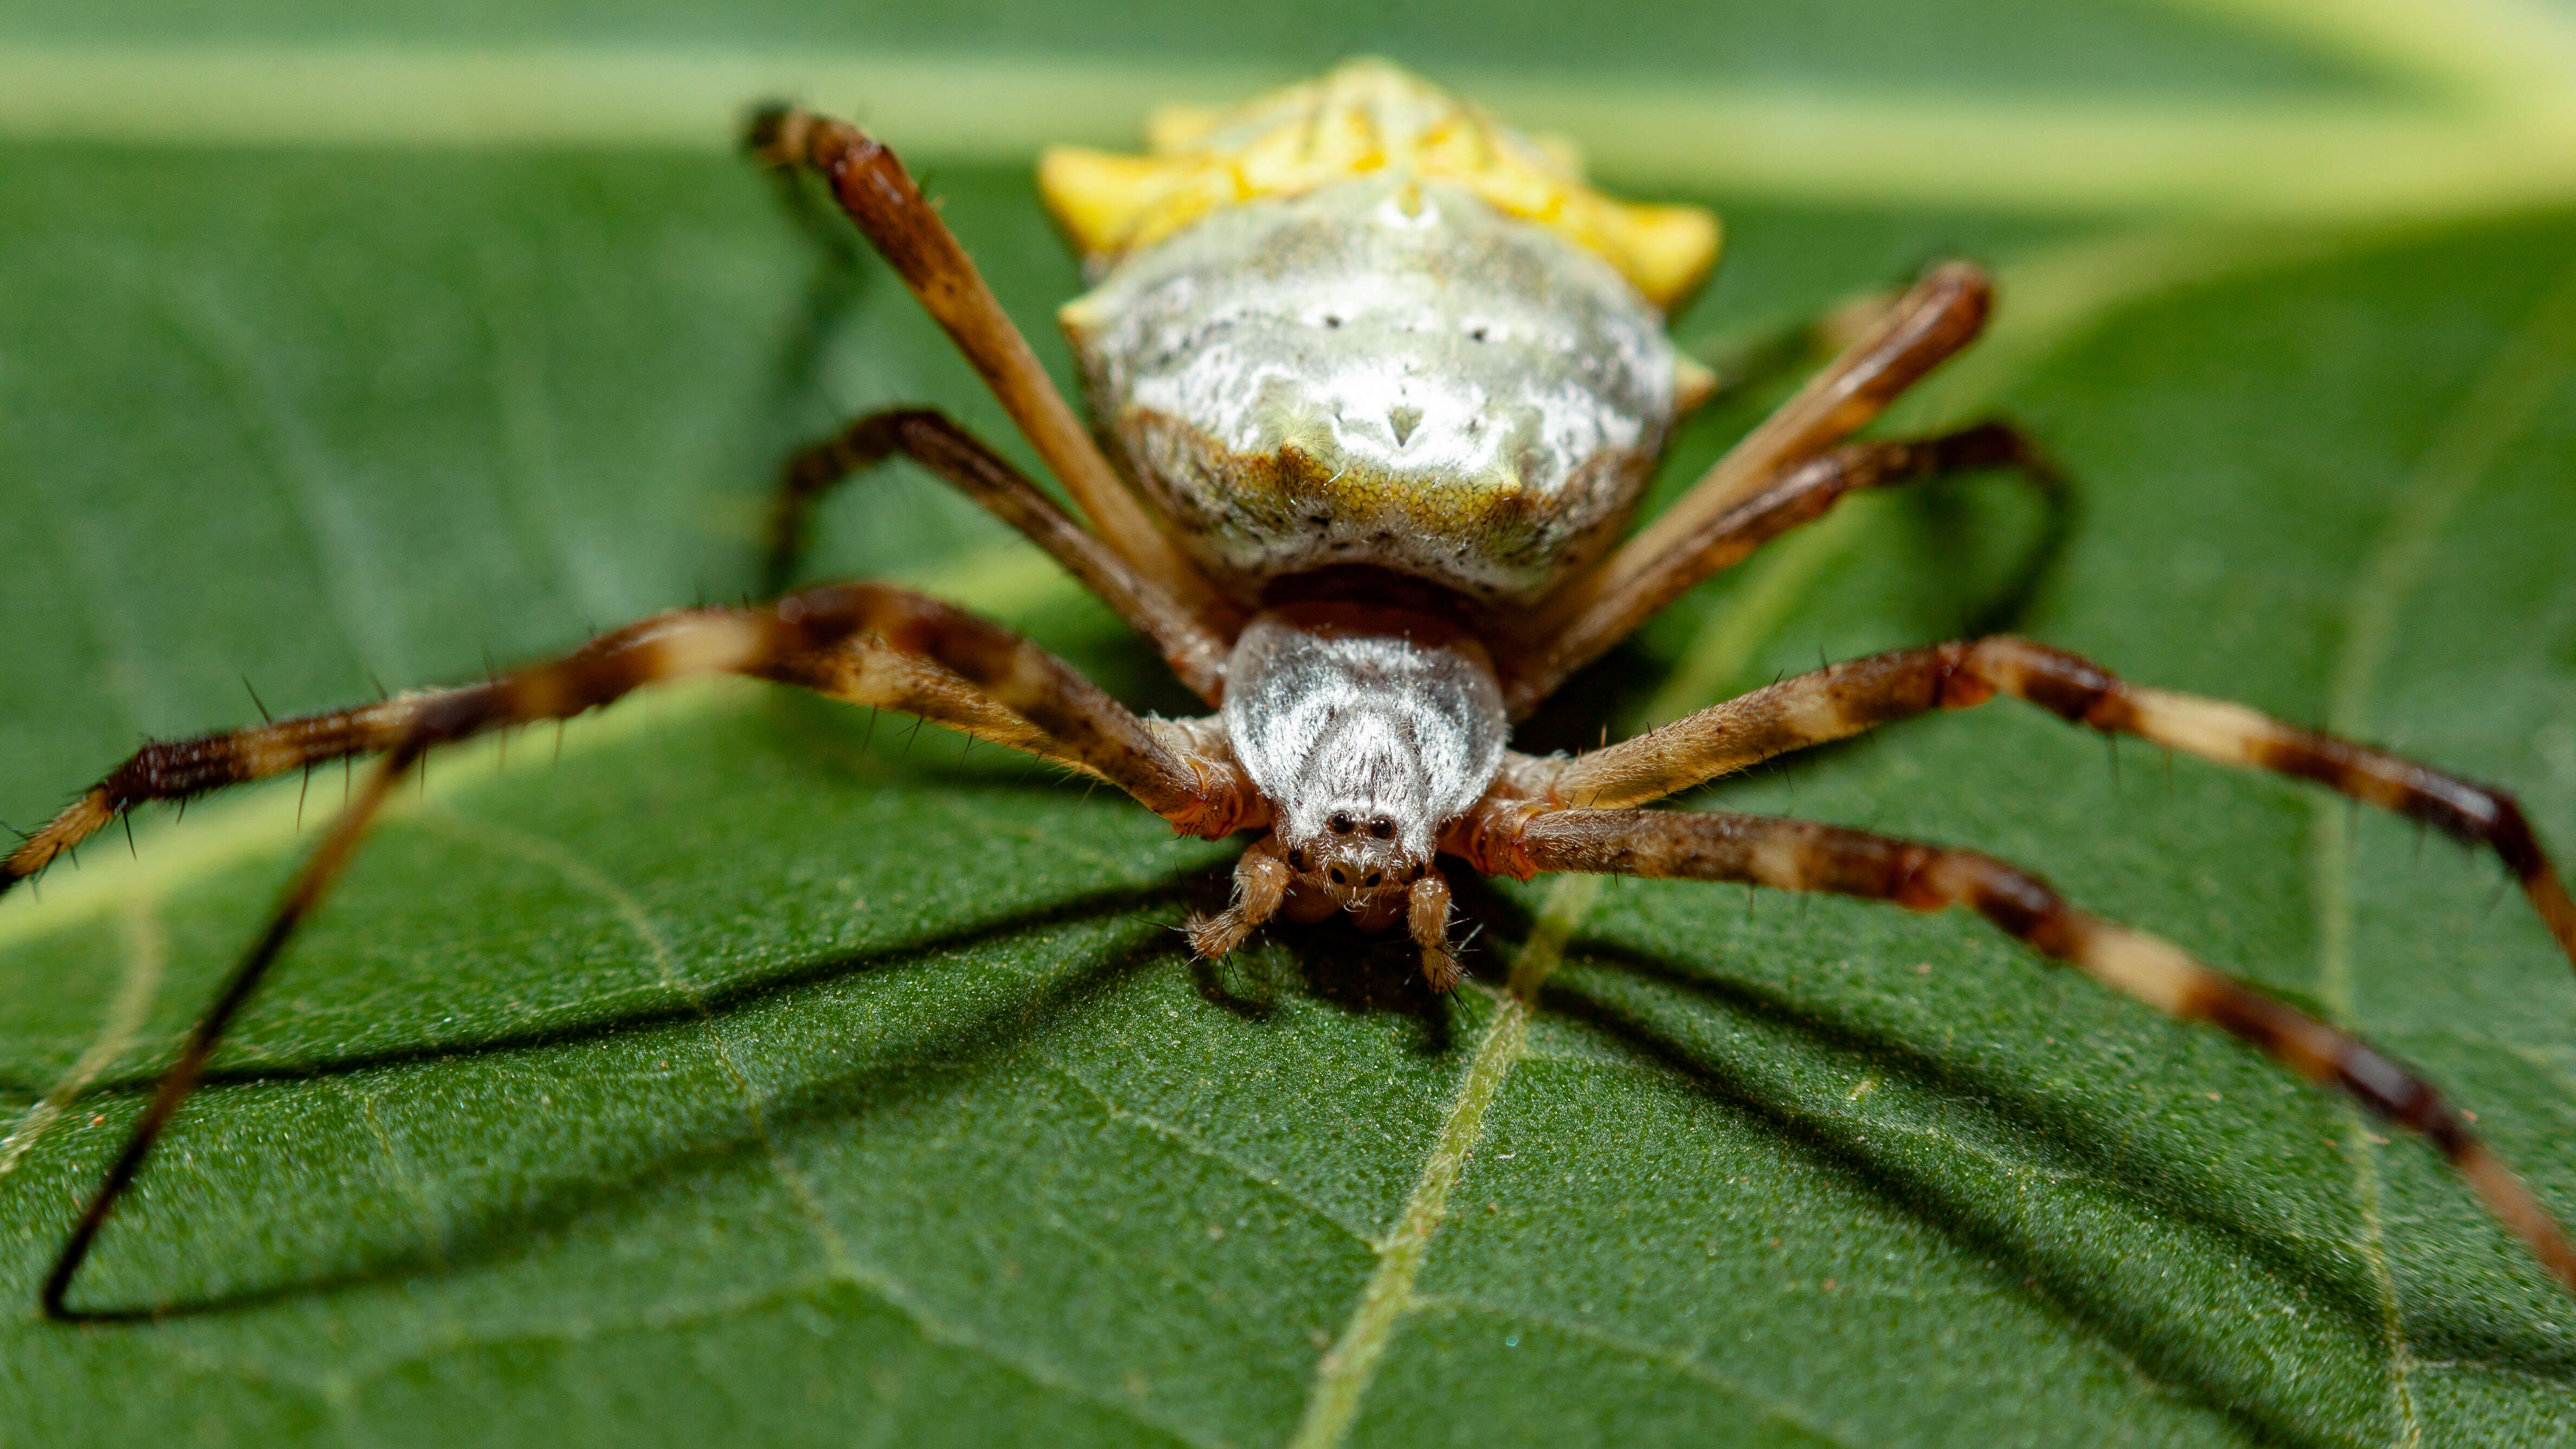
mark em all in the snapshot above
pixel 1680 1361
pixel 1251 1169
pixel 2499 404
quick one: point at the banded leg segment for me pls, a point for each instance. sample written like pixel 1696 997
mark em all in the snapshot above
pixel 1798 855
pixel 1801 497
pixel 836 637
pixel 858 671
pixel 1941 314
pixel 1844 700
pixel 1195 651
pixel 869 644
pixel 185 769
pixel 871 185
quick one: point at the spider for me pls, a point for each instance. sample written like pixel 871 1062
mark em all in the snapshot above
pixel 1378 382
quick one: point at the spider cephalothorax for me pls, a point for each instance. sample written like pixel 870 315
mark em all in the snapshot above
pixel 1385 380
pixel 1367 730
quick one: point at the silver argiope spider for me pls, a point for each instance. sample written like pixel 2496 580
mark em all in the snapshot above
pixel 1379 382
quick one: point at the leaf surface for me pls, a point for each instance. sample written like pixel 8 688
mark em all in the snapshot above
pixel 752 1070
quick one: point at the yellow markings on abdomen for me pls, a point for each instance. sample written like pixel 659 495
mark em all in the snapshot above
pixel 1364 118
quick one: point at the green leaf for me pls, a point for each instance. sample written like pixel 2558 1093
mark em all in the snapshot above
pixel 752 1071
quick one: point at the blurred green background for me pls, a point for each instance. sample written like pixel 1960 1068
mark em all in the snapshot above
pixel 746 1073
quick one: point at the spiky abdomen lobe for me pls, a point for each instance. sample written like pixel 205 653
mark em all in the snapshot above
pixel 1382 372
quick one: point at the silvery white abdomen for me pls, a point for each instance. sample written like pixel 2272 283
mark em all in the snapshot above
pixel 1385 372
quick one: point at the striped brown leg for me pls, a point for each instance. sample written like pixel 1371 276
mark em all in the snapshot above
pixel 1798 855
pixel 185 769
pixel 1804 494
pixel 867 642
pixel 1196 651
pixel 1842 701
pixel 1941 314
pixel 860 671
pixel 862 668
pixel 871 185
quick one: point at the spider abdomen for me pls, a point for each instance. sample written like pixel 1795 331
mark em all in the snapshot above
pixel 1359 322
pixel 1384 372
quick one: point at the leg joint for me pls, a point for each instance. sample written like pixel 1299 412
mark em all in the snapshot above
pixel 2069 686
pixel 1957 684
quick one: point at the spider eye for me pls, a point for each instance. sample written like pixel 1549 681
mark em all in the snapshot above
pixel 1341 824
pixel 1297 861
pixel 1382 828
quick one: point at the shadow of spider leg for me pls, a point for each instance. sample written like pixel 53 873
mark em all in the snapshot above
pixel 1800 855
pixel 865 643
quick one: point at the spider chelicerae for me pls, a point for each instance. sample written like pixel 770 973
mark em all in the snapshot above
pixel 1378 383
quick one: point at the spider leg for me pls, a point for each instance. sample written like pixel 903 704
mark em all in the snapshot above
pixel 1941 314
pixel 1195 650
pixel 1799 496
pixel 870 643
pixel 871 185
pixel 181 770
pixel 901 673
pixel 1844 700
pixel 1798 855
